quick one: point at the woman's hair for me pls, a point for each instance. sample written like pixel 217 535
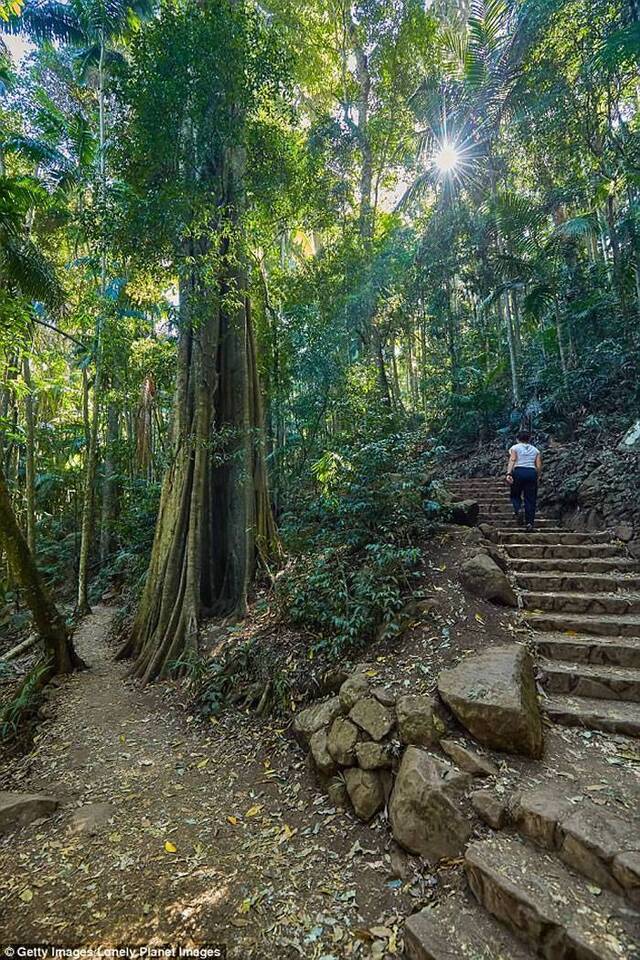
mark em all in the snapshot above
pixel 524 436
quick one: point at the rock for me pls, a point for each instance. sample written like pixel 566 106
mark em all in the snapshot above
pixel 482 576
pixel 365 792
pixel 91 818
pixel 539 813
pixel 337 793
pixel 372 756
pixel 324 762
pixel 489 531
pixel 18 809
pixel 352 690
pixel 400 864
pixel 495 553
pixel 626 870
pixel 332 679
pixel 493 695
pixel 419 609
pixel 489 808
pixel 372 717
pixel 623 531
pixel 384 695
pixel 631 439
pixel 342 740
pixel 419 720
pixel 468 760
pixel 315 718
pixel 423 813
pixel 465 512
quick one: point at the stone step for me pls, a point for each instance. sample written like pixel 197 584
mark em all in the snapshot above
pixel 594 714
pixel 561 551
pixel 591 603
pixel 586 680
pixel 474 481
pixel 603 625
pixel 557 580
pixel 602 651
pixel 586 565
pixel 547 526
pixel 453 930
pixel 562 537
pixel 600 842
pixel 549 907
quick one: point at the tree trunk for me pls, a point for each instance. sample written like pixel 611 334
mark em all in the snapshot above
pixel 59 651
pixel 109 489
pixel 88 500
pixel 30 462
pixel 215 517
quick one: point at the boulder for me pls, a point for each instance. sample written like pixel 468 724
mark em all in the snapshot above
pixel 482 576
pixel 314 718
pixel 373 717
pixel 493 695
pixel 91 818
pixel 365 792
pixel 352 690
pixel 496 554
pixel 465 512
pixel 489 808
pixel 372 756
pixel 18 809
pixel 419 720
pixel 424 813
pixel 468 760
pixel 342 740
pixel 323 761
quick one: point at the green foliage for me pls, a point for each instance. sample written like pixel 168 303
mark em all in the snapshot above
pixel 18 711
pixel 354 540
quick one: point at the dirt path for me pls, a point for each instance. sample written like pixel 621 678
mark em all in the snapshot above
pixel 217 833
pixel 213 834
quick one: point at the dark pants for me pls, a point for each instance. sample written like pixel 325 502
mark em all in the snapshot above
pixel 525 481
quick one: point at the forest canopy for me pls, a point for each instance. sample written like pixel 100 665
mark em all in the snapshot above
pixel 261 263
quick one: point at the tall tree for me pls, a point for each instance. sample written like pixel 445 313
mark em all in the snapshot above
pixel 215 517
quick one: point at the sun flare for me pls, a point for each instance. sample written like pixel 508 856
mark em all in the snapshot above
pixel 447 158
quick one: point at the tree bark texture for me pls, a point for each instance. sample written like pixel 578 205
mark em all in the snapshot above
pixel 215 517
pixel 59 651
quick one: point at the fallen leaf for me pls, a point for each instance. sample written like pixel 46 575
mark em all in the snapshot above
pixel 27 895
pixel 170 847
pixel 233 821
pixel 252 811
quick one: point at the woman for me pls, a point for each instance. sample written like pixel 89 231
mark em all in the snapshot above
pixel 523 472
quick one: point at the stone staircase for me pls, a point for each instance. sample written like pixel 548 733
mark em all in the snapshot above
pixel 562 880
pixel 580 595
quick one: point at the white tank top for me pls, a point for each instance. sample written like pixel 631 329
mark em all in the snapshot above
pixel 525 453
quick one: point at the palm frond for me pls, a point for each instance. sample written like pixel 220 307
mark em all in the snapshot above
pixel 36 150
pixel 29 272
pixel 47 20
pixel 621 47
